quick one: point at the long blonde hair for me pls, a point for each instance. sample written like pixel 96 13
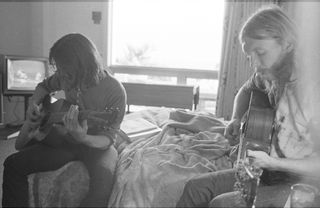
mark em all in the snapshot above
pixel 271 22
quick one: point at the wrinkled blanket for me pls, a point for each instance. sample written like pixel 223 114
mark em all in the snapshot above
pixel 152 172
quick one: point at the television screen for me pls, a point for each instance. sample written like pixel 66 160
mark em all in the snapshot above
pixel 25 74
pixel 22 74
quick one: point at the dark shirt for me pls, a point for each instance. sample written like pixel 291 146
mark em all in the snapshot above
pixel 108 94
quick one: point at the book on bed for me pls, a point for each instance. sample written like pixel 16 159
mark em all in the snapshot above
pixel 137 128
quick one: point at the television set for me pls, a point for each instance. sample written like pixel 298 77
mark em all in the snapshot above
pixel 21 74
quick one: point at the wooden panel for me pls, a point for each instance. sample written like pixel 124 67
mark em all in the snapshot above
pixel 161 95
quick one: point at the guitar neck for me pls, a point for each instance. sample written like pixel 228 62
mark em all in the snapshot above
pixel 242 149
pixel 242 144
pixel 58 116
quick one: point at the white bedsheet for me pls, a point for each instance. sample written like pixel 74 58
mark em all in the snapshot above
pixel 152 172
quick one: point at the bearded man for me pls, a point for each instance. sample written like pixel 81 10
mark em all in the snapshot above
pixel 269 41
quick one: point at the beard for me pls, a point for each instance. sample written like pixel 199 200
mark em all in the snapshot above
pixel 276 77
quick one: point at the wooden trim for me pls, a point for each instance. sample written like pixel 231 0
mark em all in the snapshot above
pixel 175 96
pixel 175 72
pixel 207 96
pixel 181 75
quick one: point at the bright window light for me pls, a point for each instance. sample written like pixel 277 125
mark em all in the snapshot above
pixel 167 33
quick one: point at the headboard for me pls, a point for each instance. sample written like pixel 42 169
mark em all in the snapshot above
pixel 175 96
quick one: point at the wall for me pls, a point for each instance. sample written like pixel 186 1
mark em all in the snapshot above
pixel 66 17
pixel 30 28
pixel 15 38
pixel 15 27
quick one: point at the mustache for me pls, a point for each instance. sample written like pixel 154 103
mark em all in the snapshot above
pixel 279 71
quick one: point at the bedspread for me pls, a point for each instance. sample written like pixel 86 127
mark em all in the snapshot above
pixel 152 172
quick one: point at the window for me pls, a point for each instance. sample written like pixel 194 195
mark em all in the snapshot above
pixel 168 41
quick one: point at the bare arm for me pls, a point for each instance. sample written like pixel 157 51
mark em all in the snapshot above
pixel 309 166
pixel 241 103
pixel 240 106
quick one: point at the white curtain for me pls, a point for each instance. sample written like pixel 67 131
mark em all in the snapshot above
pixel 234 69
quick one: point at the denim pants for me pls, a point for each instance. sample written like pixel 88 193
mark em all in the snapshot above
pixel 216 189
pixel 39 158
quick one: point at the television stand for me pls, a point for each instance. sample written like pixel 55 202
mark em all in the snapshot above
pixel 26 101
pixel 26 104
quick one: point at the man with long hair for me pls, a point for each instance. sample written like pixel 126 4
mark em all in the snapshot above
pixel 269 40
pixel 87 86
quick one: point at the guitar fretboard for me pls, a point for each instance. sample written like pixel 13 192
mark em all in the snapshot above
pixel 58 116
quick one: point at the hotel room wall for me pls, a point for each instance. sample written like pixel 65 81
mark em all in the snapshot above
pixel 308 15
pixel 30 29
pixel 15 38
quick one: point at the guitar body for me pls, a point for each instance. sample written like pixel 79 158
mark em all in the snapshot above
pixel 53 113
pixel 48 134
pixel 256 134
pixel 259 129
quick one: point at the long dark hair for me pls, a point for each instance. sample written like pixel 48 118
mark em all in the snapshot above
pixel 76 54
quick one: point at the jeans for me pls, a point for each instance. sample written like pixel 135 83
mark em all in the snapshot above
pixel 39 158
pixel 200 190
pixel 216 189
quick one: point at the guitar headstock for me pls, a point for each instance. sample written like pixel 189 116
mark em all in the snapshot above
pixel 102 119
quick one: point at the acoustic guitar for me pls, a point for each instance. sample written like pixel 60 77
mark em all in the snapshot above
pixel 52 113
pixel 256 134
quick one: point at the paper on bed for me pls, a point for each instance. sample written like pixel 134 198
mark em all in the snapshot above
pixel 137 128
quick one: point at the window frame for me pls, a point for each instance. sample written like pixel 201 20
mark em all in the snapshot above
pixel 182 74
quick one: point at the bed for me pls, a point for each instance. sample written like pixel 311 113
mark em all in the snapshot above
pixel 151 171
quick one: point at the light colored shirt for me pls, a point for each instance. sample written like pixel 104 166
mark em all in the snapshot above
pixel 292 122
pixel 296 112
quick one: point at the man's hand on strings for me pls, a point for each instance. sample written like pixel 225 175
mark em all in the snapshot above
pixel 72 125
pixel 260 159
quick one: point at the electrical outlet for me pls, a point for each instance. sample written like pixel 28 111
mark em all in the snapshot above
pixel 96 17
